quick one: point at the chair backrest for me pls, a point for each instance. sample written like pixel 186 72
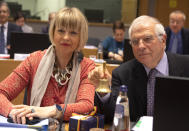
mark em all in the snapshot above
pixel 89 51
pixel 28 42
pixel 127 51
pixel 93 41
pixel 6 67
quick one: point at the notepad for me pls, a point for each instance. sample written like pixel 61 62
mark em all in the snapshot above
pixel 144 124
pixel 19 56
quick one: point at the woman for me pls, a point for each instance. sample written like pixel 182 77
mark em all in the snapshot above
pixel 54 76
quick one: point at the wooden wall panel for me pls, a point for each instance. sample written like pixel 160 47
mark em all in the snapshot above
pixel 164 7
pixel 143 7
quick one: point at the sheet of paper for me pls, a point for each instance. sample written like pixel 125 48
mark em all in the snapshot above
pixel 3 119
pixel 144 124
pixel 4 123
pixel 4 56
pixel 90 47
pixel 16 129
pixel 18 56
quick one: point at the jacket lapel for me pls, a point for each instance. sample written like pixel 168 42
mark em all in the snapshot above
pixel 174 68
pixel 140 84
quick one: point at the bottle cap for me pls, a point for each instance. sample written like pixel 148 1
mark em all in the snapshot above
pixel 123 88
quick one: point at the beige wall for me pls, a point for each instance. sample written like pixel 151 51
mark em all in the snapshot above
pixel 40 7
pixel 44 7
pixel 26 4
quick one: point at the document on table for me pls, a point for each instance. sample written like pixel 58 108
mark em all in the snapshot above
pixel 18 56
pixel 90 47
pixel 4 124
pixel 144 124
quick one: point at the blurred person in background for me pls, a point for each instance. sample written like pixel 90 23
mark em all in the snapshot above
pixel 177 35
pixel 113 45
pixel 50 18
pixel 58 75
pixel 6 28
pixel 20 21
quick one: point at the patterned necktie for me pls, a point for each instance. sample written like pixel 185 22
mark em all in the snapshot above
pixel 174 44
pixel 2 41
pixel 150 91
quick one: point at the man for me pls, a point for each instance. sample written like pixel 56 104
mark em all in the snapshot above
pixel 6 28
pixel 20 21
pixel 177 35
pixel 46 29
pixel 148 41
pixel 113 46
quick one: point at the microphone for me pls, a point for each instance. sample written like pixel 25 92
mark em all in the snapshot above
pixel 80 56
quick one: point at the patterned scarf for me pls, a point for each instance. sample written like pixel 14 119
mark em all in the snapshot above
pixel 43 75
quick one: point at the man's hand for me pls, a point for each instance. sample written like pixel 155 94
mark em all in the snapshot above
pixel 97 74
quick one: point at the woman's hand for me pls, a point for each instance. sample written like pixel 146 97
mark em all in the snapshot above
pixel 97 74
pixel 17 114
pixel 20 112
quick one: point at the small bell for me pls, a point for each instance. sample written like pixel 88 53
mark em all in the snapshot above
pixel 103 86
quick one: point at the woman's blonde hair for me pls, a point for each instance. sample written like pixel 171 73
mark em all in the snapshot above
pixel 72 19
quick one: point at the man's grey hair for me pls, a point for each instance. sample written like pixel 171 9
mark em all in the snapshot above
pixel 3 3
pixel 159 29
pixel 178 12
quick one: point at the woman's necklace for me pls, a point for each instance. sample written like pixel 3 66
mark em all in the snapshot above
pixel 62 76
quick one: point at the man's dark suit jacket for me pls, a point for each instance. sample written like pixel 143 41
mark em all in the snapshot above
pixel 185 39
pixel 12 28
pixel 133 74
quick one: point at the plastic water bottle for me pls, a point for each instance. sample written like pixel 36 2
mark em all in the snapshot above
pixel 121 120
pixel 100 51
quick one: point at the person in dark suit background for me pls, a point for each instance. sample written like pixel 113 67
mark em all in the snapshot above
pixel 8 27
pixel 148 41
pixel 177 32
pixel 45 30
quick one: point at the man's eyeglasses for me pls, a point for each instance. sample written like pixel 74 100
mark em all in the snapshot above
pixel 176 21
pixel 146 40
